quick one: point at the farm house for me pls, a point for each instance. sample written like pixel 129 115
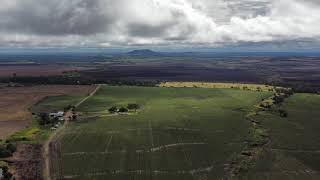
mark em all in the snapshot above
pixel 59 115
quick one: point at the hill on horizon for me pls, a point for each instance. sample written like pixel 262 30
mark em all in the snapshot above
pixel 143 52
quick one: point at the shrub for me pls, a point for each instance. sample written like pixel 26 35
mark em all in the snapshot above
pixel 4 152
pixel 123 110
pixel 113 109
pixel 11 147
pixel 44 118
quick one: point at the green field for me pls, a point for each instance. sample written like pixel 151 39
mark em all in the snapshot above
pixel 55 103
pixel 179 133
pixel 294 150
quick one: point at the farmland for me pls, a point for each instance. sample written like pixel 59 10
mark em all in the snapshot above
pixel 179 133
pixel 15 103
pixel 252 87
pixel 34 70
pixel 293 152
pixel 301 72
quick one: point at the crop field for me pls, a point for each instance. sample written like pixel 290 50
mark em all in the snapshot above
pixel 252 87
pixel 178 133
pixel 294 150
pixel 55 103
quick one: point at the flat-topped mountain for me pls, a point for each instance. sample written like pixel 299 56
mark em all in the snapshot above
pixel 143 52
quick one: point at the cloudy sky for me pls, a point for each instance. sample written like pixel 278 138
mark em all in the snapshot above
pixel 125 23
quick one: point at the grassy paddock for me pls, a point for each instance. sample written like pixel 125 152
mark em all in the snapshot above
pixel 55 103
pixel 294 150
pixel 252 87
pixel 179 133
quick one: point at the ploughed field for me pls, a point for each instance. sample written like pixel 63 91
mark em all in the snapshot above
pixel 179 133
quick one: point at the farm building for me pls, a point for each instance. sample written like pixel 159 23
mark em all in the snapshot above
pixel 59 114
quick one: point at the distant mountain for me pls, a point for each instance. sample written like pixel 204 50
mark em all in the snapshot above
pixel 143 52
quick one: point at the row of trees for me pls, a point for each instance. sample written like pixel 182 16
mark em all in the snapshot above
pixel 79 80
pixel 277 99
pixel 122 109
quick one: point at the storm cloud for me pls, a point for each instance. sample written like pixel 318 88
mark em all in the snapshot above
pixel 156 22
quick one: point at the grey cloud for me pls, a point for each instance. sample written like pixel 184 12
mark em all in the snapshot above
pixel 145 30
pixel 56 17
pixel 156 22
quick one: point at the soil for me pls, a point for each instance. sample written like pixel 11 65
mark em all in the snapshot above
pixel 7 127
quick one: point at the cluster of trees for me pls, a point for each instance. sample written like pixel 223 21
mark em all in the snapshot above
pixel 6 150
pixel 69 107
pixel 281 94
pixel 278 98
pixel 129 83
pixel 44 119
pixel 63 80
pixel 301 87
pixel 122 109
pixel 115 109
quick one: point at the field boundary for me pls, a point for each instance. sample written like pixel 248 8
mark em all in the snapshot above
pixel 258 136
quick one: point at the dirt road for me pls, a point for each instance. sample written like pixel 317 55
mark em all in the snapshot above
pixel 55 135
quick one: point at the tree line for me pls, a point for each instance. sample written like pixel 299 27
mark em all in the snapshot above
pixel 64 80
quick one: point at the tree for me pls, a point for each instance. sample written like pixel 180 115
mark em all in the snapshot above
pixel 4 152
pixel 11 147
pixel 133 106
pixel 67 108
pixel 113 109
pixel 44 118
pixel 7 150
pixel 123 110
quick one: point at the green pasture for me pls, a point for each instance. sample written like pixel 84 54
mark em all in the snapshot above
pixel 179 133
pixel 294 149
pixel 55 103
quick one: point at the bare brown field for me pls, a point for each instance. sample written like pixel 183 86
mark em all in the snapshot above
pixel 15 102
pixel 7 127
pixel 36 70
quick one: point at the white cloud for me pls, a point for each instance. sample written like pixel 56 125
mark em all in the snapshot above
pixel 156 22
